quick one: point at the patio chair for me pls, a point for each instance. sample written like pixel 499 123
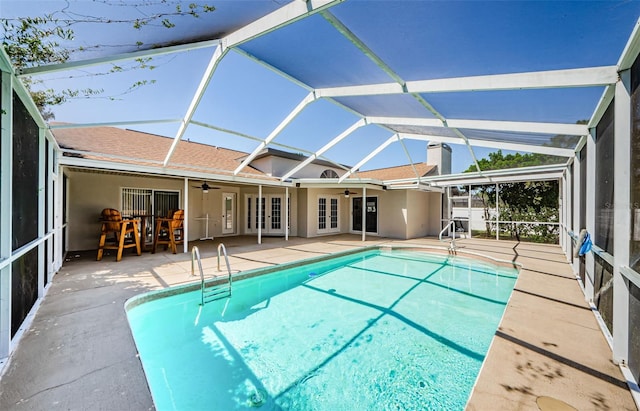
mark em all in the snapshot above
pixel 125 233
pixel 169 231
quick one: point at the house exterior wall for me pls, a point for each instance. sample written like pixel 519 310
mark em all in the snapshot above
pixel 267 191
pixel 424 214
pixel 279 166
pixel 201 204
pixel 90 193
pixel 392 213
pixel 310 211
pixel 408 214
pixel 303 203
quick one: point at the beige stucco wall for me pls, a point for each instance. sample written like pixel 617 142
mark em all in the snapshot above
pixel 424 214
pixel 253 190
pixel 303 224
pixel 90 193
pixel 401 214
pixel 311 211
pixel 407 214
pixel 201 204
pixel 392 213
pixel 279 166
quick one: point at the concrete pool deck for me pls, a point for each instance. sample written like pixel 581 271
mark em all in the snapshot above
pixel 78 352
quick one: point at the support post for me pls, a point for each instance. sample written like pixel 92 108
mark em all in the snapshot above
pixel 364 214
pixel 591 214
pixel 259 211
pixel 6 203
pixel 468 213
pixel 561 213
pixel 185 224
pixel 577 195
pixel 42 201
pixel 497 211
pixel 621 216
pixel 286 214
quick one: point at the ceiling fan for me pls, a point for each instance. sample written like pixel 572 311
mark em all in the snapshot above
pixel 206 187
pixel 347 193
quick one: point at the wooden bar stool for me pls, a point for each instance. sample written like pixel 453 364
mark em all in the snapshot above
pixel 169 231
pixel 112 223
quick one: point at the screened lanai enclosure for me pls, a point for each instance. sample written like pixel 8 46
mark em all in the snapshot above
pixel 323 117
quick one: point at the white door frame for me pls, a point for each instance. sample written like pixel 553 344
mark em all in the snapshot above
pixel 232 229
pixel 268 219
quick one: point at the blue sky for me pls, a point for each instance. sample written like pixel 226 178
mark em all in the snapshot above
pixel 246 97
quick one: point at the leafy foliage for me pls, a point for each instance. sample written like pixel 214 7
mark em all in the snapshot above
pixel 36 41
pixel 523 202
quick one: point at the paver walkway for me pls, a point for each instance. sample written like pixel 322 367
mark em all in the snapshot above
pixel 78 353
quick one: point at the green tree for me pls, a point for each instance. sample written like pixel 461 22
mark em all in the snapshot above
pixel 524 201
pixel 35 41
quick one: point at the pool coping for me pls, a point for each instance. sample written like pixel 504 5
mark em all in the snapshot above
pixel 255 272
pixel 142 298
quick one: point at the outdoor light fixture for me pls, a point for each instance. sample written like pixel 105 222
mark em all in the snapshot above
pixel 346 193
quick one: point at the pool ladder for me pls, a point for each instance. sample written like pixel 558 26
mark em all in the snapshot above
pixel 451 226
pixel 218 290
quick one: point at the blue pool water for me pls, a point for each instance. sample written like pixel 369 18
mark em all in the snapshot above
pixel 379 330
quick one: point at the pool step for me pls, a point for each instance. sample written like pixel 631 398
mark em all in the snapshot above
pixel 216 292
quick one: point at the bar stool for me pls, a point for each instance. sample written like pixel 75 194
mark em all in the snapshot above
pixel 112 223
pixel 169 231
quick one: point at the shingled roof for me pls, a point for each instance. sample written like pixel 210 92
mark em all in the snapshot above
pixel 398 172
pixel 134 147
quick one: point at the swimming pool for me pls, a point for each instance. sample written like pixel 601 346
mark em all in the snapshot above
pixel 380 329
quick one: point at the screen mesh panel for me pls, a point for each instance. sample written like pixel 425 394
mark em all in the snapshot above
pixel 24 287
pixel 25 176
pixel 634 246
pixel 634 330
pixel 604 181
pixel 603 290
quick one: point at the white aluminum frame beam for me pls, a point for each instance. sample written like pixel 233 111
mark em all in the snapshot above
pixel 582 77
pixel 631 50
pixel 344 30
pixel 389 71
pixel 369 156
pixel 309 98
pixel 6 204
pixel 217 56
pixel 114 123
pixel 286 14
pixel 249 137
pixel 360 123
pixel 509 126
pixel 529 148
pixel 81 64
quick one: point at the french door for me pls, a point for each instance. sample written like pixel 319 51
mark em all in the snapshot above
pixel 371 216
pixel 270 216
pixel 328 214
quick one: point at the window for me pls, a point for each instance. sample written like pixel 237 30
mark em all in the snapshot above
pixel 328 173
pixel 322 213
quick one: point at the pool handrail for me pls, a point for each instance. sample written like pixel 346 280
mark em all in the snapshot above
pixel 226 260
pixel 213 293
pixel 452 246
